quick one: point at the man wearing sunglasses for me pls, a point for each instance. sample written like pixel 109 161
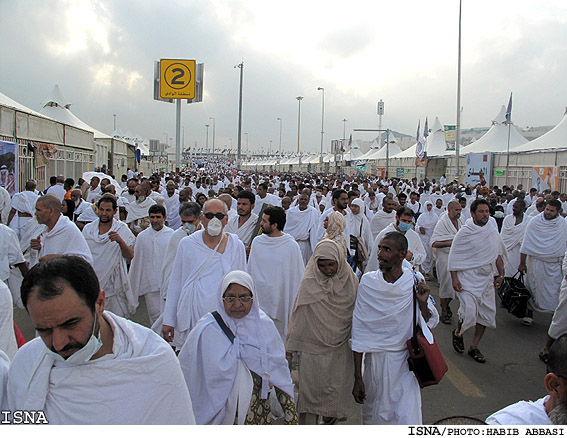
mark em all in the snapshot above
pixel 202 260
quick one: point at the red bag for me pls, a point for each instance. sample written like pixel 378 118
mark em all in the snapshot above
pixel 426 360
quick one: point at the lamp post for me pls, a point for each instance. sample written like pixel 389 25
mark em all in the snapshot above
pixel 247 150
pixel 214 130
pixel 241 67
pixel 322 124
pixel 299 99
pixel 207 139
pixel 280 148
pixel 270 148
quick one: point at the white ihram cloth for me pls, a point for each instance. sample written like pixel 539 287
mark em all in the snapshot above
pixel 110 267
pixel 196 275
pixel 513 236
pixel 381 220
pixel 558 324
pixel 4 367
pixel 414 245
pixel 171 204
pixel 443 231
pixel 65 238
pixel 545 243
pixel 473 255
pixel 140 382
pixel 5 205
pixel 11 253
pixel 8 342
pixel 22 202
pixel 427 220
pixel 277 288
pixel 303 226
pixel 382 322
pixel 57 190
pixel 269 199
pixel 243 232
pixel 522 413
pixel 138 210
pixel 145 268
pixel 217 371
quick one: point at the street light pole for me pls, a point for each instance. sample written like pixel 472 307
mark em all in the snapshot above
pixel 280 148
pixel 214 129
pixel 247 150
pixel 207 140
pixel 299 99
pixel 322 124
pixel 241 67
pixel 270 149
pixel 344 129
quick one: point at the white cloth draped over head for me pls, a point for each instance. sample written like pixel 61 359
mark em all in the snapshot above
pixel 358 225
pixel 65 238
pixel 427 219
pixel 382 319
pixel 244 232
pixel 108 263
pixel 140 382
pixel 545 239
pixel 277 288
pixel 475 246
pixel 138 210
pixel 210 361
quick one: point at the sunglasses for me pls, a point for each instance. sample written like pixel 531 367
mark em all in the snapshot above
pixel 219 216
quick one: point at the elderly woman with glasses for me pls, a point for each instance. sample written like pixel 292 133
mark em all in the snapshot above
pixel 234 361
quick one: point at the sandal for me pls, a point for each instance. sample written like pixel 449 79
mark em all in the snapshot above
pixel 458 343
pixel 476 355
pixel 544 357
pixel 445 318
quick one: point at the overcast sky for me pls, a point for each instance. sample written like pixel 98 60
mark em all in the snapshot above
pixel 102 52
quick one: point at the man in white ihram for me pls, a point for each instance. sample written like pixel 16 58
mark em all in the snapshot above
pixel 302 223
pixel 276 288
pixel 89 366
pixel 112 245
pixel 60 237
pixel 202 260
pixel 149 250
pixel 382 323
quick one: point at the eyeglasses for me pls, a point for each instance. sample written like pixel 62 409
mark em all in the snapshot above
pixel 219 216
pixel 245 299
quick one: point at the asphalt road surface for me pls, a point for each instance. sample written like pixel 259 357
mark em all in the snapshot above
pixel 512 371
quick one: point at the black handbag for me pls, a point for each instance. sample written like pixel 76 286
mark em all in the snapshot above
pixel 514 295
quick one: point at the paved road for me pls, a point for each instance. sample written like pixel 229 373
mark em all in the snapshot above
pixel 512 370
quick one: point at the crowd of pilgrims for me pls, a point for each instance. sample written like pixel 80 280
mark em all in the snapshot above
pixel 262 283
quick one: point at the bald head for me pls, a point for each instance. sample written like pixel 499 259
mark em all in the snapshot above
pixel 214 201
pixel 227 199
pixel 51 201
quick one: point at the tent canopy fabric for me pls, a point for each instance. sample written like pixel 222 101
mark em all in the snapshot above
pixel 554 139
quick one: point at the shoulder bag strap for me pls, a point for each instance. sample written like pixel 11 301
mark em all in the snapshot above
pixel 223 326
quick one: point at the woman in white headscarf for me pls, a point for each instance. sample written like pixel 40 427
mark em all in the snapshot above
pixel 317 342
pixel 231 371
pixel 424 226
pixel 358 226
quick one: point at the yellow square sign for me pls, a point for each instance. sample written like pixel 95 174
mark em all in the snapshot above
pixel 177 79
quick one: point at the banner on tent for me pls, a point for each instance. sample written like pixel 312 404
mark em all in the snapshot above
pixel 545 177
pixel 399 172
pixel 450 136
pixel 8 166
pixel 478 165
pixel 421 162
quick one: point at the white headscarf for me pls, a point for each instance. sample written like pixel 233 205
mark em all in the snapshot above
pixel 210 361
pixel 427 219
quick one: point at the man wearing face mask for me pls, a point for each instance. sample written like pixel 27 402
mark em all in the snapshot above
pixel 189 212
pixel 202 259
pixel 86 356
pixel 416 252
pixel 149 248
pixel 112 245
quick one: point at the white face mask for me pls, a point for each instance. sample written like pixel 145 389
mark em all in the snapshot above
pixel 84 354
pixel 214 227
pixel 189 228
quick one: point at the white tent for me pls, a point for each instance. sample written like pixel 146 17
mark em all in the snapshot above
pixel 330 158
pixel 353 154
pixel 436 145
pixel 496 139
pixel 408 153
pixel 374 147
pixel 554 139
pixel 57 107
pixel 394 149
